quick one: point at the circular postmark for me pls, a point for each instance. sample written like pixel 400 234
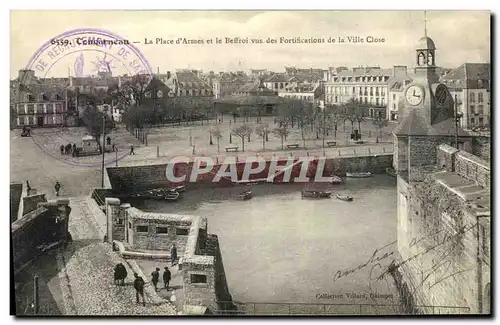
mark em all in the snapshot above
pixel 63 70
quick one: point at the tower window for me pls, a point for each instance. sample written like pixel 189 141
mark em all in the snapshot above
pixel 421 59
pixel 430 58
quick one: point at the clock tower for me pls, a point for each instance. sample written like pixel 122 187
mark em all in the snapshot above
pixel 428 117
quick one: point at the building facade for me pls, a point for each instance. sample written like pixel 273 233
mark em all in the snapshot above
pixel 190 91
pixel 367 85
pixel 227 83
pixel 470 86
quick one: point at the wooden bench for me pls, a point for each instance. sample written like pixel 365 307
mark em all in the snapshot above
pixel 231 149
pixel 290 146
pixel 331 143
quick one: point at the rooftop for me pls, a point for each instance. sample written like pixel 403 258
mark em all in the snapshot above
pixel 138 214
pixel 470 71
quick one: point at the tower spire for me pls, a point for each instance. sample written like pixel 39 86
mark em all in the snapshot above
pixel 425 23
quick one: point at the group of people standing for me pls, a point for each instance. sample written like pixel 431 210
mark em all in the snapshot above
pixel 120 274
pixel 67 149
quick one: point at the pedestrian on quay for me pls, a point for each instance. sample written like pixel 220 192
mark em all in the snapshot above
pixel 28 187
pixel 155 278
pixel 132 150
pixel 139 289
pixel 62 149
pixel 74 148
pixel 57 187
pixel 166 277
pixel 173 254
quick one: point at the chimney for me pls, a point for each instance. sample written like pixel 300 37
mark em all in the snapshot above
pixel 168 75
pixel 399 71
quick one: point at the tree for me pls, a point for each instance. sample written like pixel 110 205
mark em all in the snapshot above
pixel 333 120
pixel 281 132
pixel 242 131
pixel 380 123
pixel 217 134
pixel 263 131
pixel 93 120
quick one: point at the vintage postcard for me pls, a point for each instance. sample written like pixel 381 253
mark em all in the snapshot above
pixel 244 163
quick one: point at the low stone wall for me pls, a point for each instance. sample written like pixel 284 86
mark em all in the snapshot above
pixel 137 178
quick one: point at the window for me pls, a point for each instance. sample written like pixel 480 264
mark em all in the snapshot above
pixel 31 120
pixel 276 85
pixel 480 84
pixel 198 278
pixel 481 121
pixel 59 108
pixel 480 109
pixel 393 96
pixel 143 229
pixel 130 225
pixel 472 97
pixel 394 106
pixel 182 231
pixel 159 94
pixel 21 120
pixel 31 108
pixel 480 97
pixel 473 109
pixel 472 121
pixel 118 221
pixel 161 230
pixel 50 108
pixel 39 108
pixel 20 109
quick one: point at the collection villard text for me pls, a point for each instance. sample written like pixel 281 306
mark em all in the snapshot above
pixel 269 40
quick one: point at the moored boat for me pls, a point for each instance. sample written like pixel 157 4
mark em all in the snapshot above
pixel 247 195
pixel 391 172
pixel 178 189
pixel 316 194
pixel 336 180
pixel 345 198
pixel 359 175
pixel 172 196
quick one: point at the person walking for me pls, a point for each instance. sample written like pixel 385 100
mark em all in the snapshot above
pixel 166 277
pixel 57 187
pixel 132 150
pixel 62 149
pixel 28 187
pixel 173 254
pixel 155 278
pixel 139 289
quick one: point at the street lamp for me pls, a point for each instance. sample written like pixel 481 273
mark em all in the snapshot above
pixel 458 116
pixel 103 147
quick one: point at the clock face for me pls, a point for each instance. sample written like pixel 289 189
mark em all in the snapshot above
pixel 441 94
pixel 414 95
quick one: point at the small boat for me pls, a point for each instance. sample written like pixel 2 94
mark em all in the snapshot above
pixel 247 195
pixel 359 175
pixel 178 189
pixel 345 198
pixel 336 180
pixel 391 172
pixel 316 194
pixel 172 196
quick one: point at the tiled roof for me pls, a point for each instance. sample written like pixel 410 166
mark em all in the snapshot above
pixel 365 72
pixel 93 81
pixel 188 80
pixel 47 90
pixel 470 71
pixel 277 77
pixel 155 83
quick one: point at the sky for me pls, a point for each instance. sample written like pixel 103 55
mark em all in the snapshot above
pixel 460 36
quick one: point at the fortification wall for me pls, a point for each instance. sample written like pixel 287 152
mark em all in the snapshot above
pixel 137 178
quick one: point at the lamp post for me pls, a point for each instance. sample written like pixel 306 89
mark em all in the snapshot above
pixel 103 147
pixel 458 116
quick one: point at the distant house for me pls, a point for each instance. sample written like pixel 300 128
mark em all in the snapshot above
pixel 470 86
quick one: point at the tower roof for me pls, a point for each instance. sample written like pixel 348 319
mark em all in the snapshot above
pixel 426 43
